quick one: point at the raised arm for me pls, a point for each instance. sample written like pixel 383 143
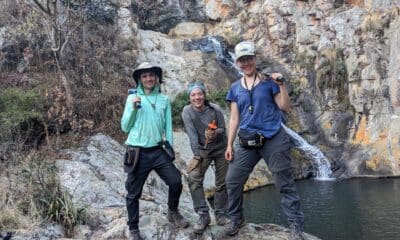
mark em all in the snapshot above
pixel 282 98
pixel 129 115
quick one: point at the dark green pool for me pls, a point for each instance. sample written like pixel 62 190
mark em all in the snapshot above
pixel 352 209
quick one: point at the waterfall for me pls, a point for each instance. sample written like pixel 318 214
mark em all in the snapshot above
pixel 215 44
pixel 323 165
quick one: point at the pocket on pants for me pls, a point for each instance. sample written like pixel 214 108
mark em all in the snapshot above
pixel 128 159
pixel 131 159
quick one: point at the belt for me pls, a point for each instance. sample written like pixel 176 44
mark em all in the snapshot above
pixel 144 149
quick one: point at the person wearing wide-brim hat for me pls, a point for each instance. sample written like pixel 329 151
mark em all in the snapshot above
pixel 256 105
pixel 147 120
pixel 145 66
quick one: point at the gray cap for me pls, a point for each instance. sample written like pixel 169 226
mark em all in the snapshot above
pixel 245 48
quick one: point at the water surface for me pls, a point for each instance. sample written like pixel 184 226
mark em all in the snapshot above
pixel 351 209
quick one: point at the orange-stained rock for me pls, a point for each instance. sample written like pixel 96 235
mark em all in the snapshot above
pixel 217 9
pixel 361 136
pixel 358 3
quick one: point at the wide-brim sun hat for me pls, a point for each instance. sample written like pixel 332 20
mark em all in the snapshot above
pixel 145 66
pixel 245 48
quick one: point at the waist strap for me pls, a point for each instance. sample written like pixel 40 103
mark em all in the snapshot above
pixel 144 149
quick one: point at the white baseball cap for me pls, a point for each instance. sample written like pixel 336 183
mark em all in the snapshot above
pixel 245 48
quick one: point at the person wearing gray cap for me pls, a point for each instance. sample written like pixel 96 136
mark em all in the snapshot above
pixel 147 120
pixel 256 105
pixel 205 126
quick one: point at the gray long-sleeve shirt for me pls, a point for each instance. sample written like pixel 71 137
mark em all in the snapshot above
pixel 196 123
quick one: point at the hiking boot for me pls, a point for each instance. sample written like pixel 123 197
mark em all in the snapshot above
pixel 221 219
pixel 233 227
pixel 176 218
pixel 134 234
pixel 295 233
pixel 202 223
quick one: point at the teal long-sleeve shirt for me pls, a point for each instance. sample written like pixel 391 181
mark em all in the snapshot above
pixel 147 126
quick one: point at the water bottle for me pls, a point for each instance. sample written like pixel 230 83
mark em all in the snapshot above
pixel 134 91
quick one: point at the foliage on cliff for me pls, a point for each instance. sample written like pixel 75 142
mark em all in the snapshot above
pixel 88 64
pixel 36 117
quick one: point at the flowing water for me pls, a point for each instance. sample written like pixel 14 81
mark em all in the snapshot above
pixel 215 44
pixel 365 209
pixel 321 163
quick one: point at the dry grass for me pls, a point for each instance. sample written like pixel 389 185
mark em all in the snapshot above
pixel 31 195
pixel 12 197
pixel 12 218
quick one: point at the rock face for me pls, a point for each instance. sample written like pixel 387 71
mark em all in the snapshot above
pixel 161 16
pixel 180 66
pixel 340 57
pixel 93 175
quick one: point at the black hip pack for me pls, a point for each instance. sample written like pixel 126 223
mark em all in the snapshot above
pixel 249 139
pixel 168 149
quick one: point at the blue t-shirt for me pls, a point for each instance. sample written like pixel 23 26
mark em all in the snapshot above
pixel 266 117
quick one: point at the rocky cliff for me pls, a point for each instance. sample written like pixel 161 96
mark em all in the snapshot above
pixel 341 59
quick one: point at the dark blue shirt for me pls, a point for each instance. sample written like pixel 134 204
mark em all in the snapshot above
pixel 266 117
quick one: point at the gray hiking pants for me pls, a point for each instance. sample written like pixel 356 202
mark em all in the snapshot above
pixel 275 153
pixel 196 178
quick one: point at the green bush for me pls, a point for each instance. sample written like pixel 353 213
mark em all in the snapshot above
pixel 218 97
pixel 18 106
pixel 181 100
pixel 21 119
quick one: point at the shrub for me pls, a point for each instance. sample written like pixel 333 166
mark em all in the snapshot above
pixel 332 73
pixel 62 210
pixel 17 106
pixel 21 117
pixel 181 100
pixel 218 97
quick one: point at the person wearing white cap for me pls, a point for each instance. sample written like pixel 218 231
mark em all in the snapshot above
pixel 256 105
pixel 147 126
pixel 205 126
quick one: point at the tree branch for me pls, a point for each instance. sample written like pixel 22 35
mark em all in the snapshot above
pixel 69 34
pixel 40 6
pixel 48 6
